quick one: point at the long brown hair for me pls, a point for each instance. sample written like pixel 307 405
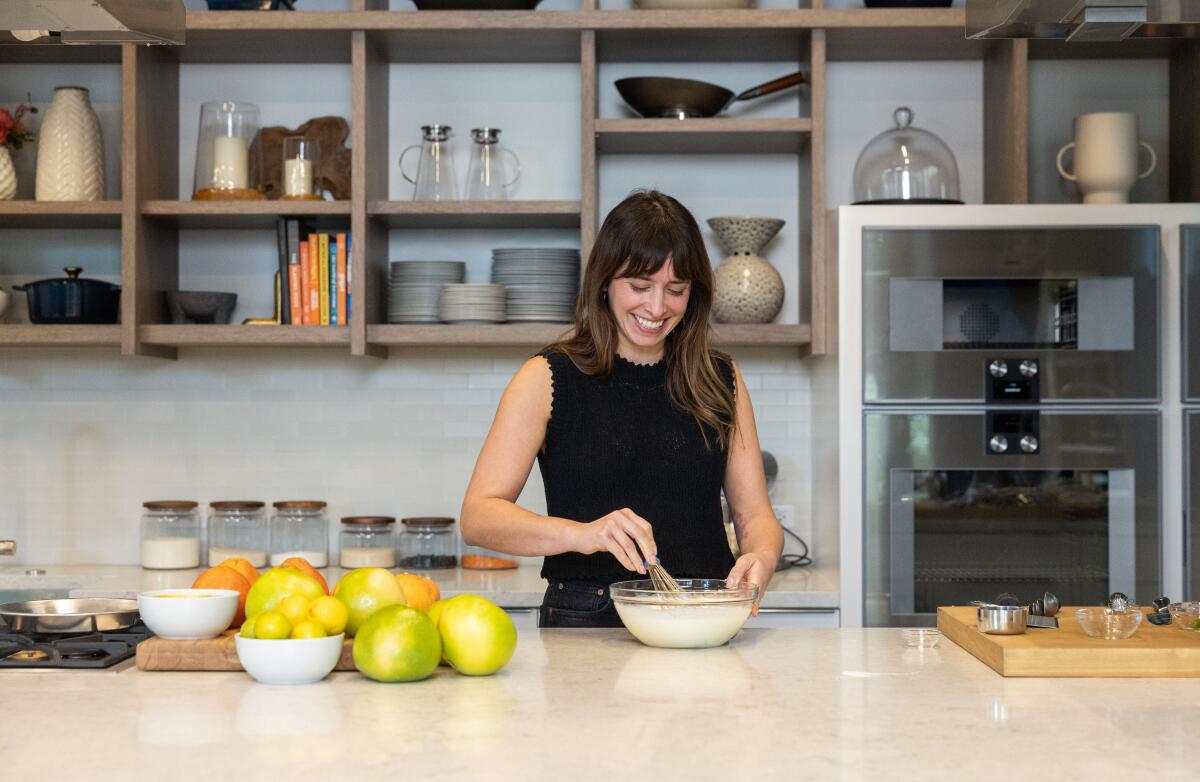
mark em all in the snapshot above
pixel 637 238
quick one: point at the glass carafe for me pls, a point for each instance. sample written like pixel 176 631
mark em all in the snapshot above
pixel 435 170
pixel 488 175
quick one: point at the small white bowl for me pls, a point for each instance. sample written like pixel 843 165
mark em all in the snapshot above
pixel 188 614
pixel 289 661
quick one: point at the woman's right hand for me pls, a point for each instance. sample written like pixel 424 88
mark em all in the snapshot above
pixel 621 533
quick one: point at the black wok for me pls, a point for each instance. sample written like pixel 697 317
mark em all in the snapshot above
pixel 660 96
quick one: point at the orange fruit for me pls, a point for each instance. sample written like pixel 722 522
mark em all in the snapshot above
pixel 221 577
pixel 301 564
pixel 419 592
pixel 243 566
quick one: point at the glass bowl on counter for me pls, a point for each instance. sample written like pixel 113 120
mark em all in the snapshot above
pixel 923 637
pixel 706 613
pixel 1109 624
pixel 1186 616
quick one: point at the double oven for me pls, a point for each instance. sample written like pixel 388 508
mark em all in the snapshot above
pixel 1190 266
pixel 1009 415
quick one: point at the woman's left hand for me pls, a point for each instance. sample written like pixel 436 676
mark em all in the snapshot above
pixel 752 569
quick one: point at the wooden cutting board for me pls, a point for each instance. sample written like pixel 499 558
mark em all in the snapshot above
pixel 1068 651
pixel 213 654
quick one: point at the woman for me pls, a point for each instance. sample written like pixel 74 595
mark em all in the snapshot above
pixel 636 424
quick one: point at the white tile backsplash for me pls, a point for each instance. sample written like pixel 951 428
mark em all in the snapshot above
pixel 88 436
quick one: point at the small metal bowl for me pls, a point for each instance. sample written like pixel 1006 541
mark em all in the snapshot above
pixel 1002 620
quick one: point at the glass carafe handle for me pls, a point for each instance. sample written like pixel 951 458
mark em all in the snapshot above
pixel 516 168
pixel 403 173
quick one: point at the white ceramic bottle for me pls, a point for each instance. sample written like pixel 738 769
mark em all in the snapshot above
pixel 70 159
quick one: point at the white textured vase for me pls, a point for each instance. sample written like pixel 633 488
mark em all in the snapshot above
pixel 70 153
pixel 8 175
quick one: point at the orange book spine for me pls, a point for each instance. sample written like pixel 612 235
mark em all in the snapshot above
pixel 295 296
pixel 300 312
pixel 314 281
pixel 341 279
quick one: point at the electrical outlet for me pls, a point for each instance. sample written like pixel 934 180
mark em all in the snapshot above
pixel 786 515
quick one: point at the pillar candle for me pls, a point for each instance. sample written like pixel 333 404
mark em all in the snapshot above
pixel 230 163
pixel 297 177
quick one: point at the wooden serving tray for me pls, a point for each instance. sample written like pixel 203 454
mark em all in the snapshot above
pixel 213 654
pixel 1068 651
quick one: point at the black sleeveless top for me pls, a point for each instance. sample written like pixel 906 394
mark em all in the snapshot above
pixel 619 442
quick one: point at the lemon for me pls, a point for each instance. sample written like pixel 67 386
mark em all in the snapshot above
pixel 248 627
pixel 307 628
pixel 330 612
pixel 272 626
pixel 295 608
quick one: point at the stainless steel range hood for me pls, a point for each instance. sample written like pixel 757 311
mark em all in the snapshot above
pixel 1083 20
pixel 36 22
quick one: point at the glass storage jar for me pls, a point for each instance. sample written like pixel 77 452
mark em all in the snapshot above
pixel 300 528
pixel 428 542
pixel 368 541
pixel 238 528
pixel 170 535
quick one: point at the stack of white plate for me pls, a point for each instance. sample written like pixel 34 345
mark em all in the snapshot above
pixel 542 282
pixel 414 289
pixel 472 303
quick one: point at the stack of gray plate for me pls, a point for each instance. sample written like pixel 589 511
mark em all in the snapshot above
pixel 472 303
pixel 415 287
pixel 542 282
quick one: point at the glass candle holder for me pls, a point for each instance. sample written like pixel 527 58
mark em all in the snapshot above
pixel 223 152
pixel 301 161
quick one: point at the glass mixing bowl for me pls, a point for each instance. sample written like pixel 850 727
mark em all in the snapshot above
pixel 1102 622
pixel 1186 616
pixel 706 613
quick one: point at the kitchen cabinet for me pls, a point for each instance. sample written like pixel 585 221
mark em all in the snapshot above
pixel 781 618
pixel 152 220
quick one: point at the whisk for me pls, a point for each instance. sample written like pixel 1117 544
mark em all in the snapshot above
pixel 662 580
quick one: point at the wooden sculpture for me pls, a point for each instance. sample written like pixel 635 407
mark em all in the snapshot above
pixel 334 168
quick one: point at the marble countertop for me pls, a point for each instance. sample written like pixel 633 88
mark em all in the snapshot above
pixel 814 587
pixel 596 705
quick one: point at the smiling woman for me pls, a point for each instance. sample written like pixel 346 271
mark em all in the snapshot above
pixel 637 425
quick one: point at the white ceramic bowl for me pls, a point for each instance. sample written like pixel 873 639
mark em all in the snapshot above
pixel 188 614
pixel 707 612
pixel 289 661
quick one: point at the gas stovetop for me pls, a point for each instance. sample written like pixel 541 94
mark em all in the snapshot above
pixel 65 650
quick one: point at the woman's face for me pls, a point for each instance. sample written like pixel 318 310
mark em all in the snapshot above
pixel 646 309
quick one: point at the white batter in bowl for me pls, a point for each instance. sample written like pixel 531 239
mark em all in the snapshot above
pixel 706 613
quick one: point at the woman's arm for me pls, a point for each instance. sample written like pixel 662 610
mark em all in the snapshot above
pixel 759 536
pixel 490 516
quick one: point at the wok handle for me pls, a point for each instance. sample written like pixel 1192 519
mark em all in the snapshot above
pixel 775 85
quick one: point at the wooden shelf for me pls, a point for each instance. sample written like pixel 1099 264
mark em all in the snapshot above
pixel 476 214
pixel 33 335
pixel 538 334
pixel 60 215
pixel 266 37
pixel 246 214
pixel 244 336
pixel 710 135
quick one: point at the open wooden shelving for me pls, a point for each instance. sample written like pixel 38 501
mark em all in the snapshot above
pixel 60 214
pixel 369 39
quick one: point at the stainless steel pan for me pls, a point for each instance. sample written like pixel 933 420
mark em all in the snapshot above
pixel 661 96
pixel 74 615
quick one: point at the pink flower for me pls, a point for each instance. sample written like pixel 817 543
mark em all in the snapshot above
pixel 6 120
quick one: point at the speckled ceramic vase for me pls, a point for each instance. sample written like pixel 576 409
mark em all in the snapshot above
pixel 748 289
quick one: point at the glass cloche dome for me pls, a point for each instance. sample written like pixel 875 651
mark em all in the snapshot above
pixel 906 165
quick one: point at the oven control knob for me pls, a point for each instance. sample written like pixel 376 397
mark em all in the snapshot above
pixel 998 443
pixel 1029 368
pixel 998 368
pixel 1029 444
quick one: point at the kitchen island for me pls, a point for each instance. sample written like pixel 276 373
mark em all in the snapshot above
pixel 596 705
